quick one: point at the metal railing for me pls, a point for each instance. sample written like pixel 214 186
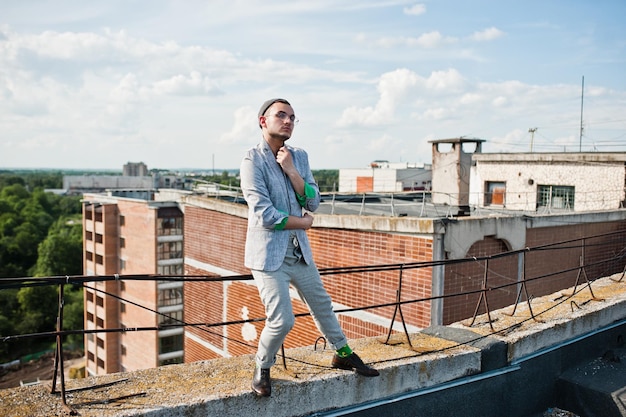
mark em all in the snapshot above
pixel 612 263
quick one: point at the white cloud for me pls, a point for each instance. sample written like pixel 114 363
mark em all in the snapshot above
pixel 487 34
pixel 382 143
pixel 193 84
pixel 500 101
pixel 415 10
pixel 428 40
pixel 397 89
pixel 449 80
pixel 392 88
pixel 244 126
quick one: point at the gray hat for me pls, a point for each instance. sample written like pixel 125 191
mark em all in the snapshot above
pixel 268 104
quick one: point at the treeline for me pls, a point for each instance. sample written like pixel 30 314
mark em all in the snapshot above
pixel 327 179
pixel 40 235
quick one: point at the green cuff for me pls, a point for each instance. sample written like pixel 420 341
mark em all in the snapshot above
pixel 282 224
pixel 309 192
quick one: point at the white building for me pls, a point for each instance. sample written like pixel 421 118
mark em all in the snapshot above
pixel 383 176
pixel 549 181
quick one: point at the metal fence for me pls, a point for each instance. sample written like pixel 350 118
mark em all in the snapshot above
pixel 584 271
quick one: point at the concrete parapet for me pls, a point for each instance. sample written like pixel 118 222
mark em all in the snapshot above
pixel 222 387
pixel 437 357
pixel 558 318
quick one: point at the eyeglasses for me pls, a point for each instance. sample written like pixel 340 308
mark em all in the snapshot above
pixel 284 116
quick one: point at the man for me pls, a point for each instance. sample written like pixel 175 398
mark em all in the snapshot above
pixel 280 190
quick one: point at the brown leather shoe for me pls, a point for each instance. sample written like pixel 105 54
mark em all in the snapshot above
pixel 261 384
pixel 351 362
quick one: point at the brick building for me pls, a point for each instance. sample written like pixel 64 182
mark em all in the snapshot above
pixel 215 232
pixel 132 236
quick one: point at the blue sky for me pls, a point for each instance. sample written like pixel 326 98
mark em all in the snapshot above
pixel 177 84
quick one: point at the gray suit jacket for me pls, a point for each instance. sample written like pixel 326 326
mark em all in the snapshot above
pixel 271 197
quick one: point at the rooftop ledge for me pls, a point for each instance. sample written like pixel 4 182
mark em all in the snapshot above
pixel 437 356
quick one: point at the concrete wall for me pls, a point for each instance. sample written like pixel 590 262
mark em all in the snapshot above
pixel 598 179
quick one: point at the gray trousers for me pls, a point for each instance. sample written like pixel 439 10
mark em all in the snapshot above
pixel 274 291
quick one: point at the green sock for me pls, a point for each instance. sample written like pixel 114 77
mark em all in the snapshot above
pixel 344 351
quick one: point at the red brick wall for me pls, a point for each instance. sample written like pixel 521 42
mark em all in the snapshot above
pixel 204 303
pixel 543 263
pixel 215 238
pixel 218 239
pixel 341 248
pixel 567 255
pixel 468 276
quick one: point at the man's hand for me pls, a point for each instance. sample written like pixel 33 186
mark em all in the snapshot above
pixel 283 157
pixel 307 220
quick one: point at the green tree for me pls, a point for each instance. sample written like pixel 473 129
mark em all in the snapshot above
pixel 73 313
pixel 38 307
pixel 327 179
pixel 40 235
pixel 8 311
pixel 61 251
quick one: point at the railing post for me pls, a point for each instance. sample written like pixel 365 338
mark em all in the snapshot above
pixel 58 358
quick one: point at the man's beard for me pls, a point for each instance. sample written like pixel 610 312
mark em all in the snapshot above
pixel 280 136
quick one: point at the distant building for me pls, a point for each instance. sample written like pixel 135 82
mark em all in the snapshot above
pixel 135 169
pixel 135 177
pixel 132 236
pixel 383 176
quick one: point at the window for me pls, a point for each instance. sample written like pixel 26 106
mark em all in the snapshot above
pixel 122 242
pixel 172 361
pixel 170 250
pixel 99 259
pixel 170 226
pixel 123 350
pixel 90 317
pixel 122 220
pixel 122 264
pixel 100 363
pixel 555 196
pixel 100 323
pixel 89 296
pixel 88 214
pixel 89 256
pixel 171 343
pixel 173 317
pixel 100 343
pixel 495 193
pixel 170 297
pixel 88 235
pixel 122 307
pixel 98 238
pixel 166 270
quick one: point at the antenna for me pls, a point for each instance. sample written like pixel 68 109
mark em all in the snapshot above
pixel 532 131
pixel 582 95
